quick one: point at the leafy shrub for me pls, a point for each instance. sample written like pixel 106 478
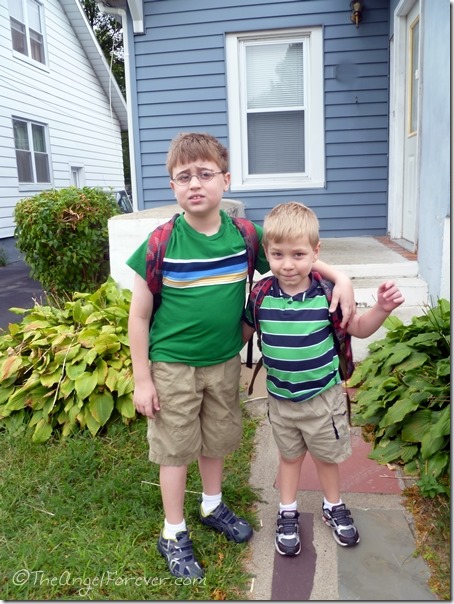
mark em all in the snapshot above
pixel 404 397
pixel 63 235
pixel 66 369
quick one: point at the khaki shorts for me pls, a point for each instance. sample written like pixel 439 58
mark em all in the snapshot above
pixel 319 425
pixel 200 412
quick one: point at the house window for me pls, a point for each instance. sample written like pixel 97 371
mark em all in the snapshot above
pixel 31 152
pixel 275 99
pixel 26 18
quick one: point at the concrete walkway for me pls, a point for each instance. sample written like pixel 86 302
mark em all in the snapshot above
pixel 381 567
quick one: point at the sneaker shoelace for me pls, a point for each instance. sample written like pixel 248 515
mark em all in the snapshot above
pixel 341 516
pixel 288 524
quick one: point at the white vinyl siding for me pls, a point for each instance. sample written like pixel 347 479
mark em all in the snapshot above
pixel 275 104
pixel 66 97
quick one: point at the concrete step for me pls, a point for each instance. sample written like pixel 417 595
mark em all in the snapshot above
pixel 414 289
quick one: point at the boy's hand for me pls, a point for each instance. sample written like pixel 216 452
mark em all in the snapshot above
pixel 344 295
pixel 389 296
pixel 146 399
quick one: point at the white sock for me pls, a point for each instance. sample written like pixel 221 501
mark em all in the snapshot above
pixel 170 530
pixel 329 506
pixel 210 503
pixel 288 507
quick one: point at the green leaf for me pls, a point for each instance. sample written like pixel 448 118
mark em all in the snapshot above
pixel 125 406
pixel 416 426
pixel 74 371
pixel 387 452
pixel 125 382
pixel 414 361
pixel 42 432
pixel 398 354
pixel 101 406
pixel 10 367
pixel 5 393
pixel 431 445
pixel 398 411
pixel 85 384
pixel 49 379
pixel 91 423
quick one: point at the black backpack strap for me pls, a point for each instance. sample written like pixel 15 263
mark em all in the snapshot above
pixel 254 375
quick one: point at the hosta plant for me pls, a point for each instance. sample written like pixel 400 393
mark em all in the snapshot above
pixel 67 367
pixel 403 397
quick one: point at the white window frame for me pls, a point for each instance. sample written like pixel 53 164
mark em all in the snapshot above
pixel 77 175
pixel 314 143
pixel 34 184
pixel 27 28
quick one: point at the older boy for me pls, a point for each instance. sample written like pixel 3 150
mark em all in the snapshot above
pixel 191 394
pixel 307 407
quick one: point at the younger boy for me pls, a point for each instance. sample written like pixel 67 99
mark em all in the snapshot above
pixel 307 407
pixel 191 393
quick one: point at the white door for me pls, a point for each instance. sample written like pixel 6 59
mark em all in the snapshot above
pixel 411 105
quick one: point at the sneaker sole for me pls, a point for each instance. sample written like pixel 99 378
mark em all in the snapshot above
pixel 288 554
pixel 336 538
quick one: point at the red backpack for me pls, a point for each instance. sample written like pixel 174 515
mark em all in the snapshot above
pixel 157 244
pixel 342 339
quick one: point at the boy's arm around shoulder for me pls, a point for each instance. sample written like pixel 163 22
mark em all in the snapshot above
pixel 389 297
pixel 145 395
pixel 343 293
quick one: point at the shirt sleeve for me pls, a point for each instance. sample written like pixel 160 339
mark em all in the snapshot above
pixel 138 260
pixel 247 314
pixel 261 263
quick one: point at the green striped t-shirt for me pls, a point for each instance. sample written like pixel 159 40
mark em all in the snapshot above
pixel 297 343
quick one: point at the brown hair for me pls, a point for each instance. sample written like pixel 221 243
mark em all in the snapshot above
pixel 291 220
pixel 189 147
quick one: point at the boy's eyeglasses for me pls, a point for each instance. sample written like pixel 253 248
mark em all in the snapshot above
pixel 203 176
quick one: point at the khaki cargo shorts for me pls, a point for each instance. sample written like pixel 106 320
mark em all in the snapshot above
pixel 200 412
pixel 318 425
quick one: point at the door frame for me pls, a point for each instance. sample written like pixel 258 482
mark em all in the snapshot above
pixel 398 60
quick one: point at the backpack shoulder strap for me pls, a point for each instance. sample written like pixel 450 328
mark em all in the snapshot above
pixel 251 239
pixel 256 298
pixel 157 244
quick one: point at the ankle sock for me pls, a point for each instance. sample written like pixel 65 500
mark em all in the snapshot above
pixel 329 506
pixel 210 503
pixel 288 507
pixel 170 530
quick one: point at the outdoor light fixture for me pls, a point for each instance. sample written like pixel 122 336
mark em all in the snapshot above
pixel 357 8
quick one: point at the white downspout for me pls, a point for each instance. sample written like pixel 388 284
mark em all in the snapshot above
pixel 108 10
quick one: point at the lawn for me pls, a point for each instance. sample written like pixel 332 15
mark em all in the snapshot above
pixel 80 518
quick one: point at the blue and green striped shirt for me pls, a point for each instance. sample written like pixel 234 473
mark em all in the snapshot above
pixel 297 343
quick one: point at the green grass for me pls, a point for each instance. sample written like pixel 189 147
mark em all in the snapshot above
pixel 79 520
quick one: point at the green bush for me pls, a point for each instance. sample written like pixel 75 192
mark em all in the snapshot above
pixel 404 397
pixel 67 369
pixel 63 235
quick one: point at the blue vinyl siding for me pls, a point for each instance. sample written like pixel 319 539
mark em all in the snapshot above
pixel 181 86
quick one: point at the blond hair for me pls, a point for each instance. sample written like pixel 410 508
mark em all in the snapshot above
pixel 290 221
pixel 189 147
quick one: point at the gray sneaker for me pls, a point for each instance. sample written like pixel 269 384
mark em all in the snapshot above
pixel 222 519
pixel 180 556
pixel 287 540
pixel 339 519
